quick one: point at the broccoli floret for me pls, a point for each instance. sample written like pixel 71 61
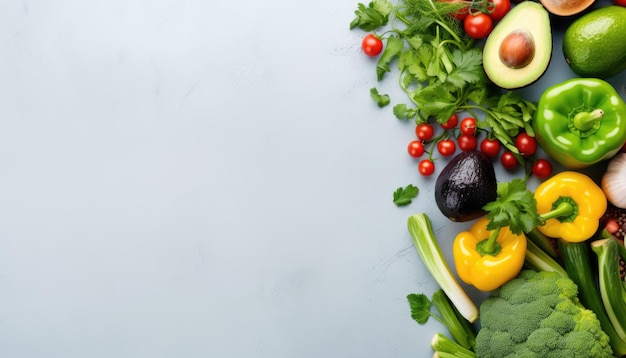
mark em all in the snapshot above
pixel 538 314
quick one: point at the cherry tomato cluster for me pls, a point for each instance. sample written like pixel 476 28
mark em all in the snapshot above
pixel 479 24
pixel 464 135
pixel 527 147
pixel 455 134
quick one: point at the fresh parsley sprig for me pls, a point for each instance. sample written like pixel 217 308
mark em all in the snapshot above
pixel 374 15
pixel 381 99
pixel 404 196
pixel 515 207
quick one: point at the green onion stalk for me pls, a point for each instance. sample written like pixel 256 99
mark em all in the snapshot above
pixel 446 347
pixel 611 285
pixel 577 262
pixel 421 231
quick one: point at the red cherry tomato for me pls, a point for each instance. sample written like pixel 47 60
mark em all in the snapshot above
pixel 451 122
pixel 500 8
pixel 416 149
pixel 478 26
pixel 490 147
pixel 619 2
pixel 468 125
pixel 371 45
pixel 426 167
pixel 542 168
pixel 526 144
pixel 467 142
pixel 424 131
pixel 446 147
pixel 508 160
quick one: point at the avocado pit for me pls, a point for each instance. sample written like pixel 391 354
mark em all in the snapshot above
pixel 517 49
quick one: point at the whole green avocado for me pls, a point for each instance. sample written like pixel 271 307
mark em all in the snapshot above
pixel 594 46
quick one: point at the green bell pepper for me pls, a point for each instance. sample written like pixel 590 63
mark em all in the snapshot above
pixel 580 122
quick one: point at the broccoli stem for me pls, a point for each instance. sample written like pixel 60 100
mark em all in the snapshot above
pixel 446 347
pixel 460 329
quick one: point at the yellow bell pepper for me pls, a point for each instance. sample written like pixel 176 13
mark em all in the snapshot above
pixel 487 271
pixel 571 204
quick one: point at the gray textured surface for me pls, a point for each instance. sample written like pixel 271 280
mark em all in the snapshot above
pixel 185 178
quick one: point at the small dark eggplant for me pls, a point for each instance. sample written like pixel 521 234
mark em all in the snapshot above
pixel 465 185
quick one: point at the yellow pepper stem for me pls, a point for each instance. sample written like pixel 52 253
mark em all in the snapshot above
pixel 490 246
pixel 564 208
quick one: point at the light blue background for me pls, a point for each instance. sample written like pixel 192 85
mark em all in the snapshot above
pixel 185 178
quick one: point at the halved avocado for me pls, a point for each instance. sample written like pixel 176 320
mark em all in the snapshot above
pixel 518 50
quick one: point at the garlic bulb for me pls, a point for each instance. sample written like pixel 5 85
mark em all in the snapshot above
pixel 614 181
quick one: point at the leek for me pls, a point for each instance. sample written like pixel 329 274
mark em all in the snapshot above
pixel 423 236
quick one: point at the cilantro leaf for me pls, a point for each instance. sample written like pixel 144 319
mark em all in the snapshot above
pixel 436 100
pixel 468 67
pixel 372 16
pixel 416 62
pixel 401 111
pixel 382 6
pixel 420 307
pixel 514 207
pixel 395 45
pixel 381 99
pixel 476 93
pixel 404 196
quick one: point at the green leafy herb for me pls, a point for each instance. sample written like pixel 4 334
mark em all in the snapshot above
pixel 393 49
pixel 401 111
pixel 507 115
pixel 441 69
pixel 420 307
pixel 514 207
pixel 372 16
pixel 404 196
pixel 467 67
pixel 381 99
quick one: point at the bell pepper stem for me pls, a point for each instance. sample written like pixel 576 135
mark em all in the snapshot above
pixel 490 245
pixel 584 121
pixel 563 209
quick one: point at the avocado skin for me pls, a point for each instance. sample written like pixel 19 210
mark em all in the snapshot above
pixel 465 185
pixel 593 45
